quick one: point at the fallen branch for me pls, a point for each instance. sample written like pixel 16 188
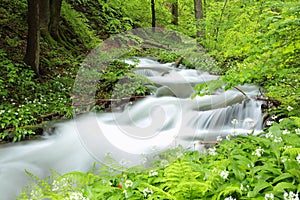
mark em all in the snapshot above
pixel 96 101
pixel 240 90
pixel 178 61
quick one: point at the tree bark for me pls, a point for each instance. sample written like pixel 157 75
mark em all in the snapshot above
pixel 198 9
pixel 33 44
pixel 44 14
pixel 55 7
pixel 153 13
pixel 175 13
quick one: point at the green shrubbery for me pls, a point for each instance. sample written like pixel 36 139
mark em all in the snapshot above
pixel 247 167
pixel 253 42
pixel 24 103
pixel 258 43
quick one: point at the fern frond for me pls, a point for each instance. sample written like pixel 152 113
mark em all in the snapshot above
pixel 156 189
pixel 227 191
pixel 292 152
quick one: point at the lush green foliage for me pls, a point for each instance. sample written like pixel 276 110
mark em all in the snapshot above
pixel 247 167
pixel 258 42
pixel 119 81
pixel 25 103
pixel 252 42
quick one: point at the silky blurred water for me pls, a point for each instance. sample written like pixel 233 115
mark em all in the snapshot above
pixel 162 121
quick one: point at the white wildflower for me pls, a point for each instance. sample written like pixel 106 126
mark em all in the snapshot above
pixel 287 147
pixel 277 139
pixel 269 196
pixel 128 183
pixel 285 132
pixel 224 174
pixel 228 137
pixel 219 138
pixel 234 121
pixel 297 131
pixel 273 117
pixel 57 184
pixel 290 108
pixel 212 151
pixel 77 196
pixel 290 196
pixel 284 159
pixel 258 152
pixel 164 163
pixel 242 188
pixel 269 135
pixel 229 198
pixel 125 193
pixel 153 173
pixel 298 158
pixel 147 192
pixel 36 194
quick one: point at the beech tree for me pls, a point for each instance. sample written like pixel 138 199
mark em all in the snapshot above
pixel 33 39
pixel 174 10
pixel 199 15
pixel 153 13
pixel 43 16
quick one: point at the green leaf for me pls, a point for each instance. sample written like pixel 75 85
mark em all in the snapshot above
pixel 282 177
pixel 259 187
pixel 284 186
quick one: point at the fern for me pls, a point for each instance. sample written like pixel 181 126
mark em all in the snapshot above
pixel 160 193
pixel 293 152
pixel 227 191
pixel 80 25
pixel 192 189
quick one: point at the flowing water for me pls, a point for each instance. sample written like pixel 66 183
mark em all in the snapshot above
pixel 162 121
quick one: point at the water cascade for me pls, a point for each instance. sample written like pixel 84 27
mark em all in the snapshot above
pixel 164 120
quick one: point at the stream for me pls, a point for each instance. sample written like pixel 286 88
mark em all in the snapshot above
pixel 162 121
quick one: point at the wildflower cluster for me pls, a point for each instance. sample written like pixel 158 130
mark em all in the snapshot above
pixel 251 167
pixel 76 196
pixel 212 151
pixel 153 173
pixel 291 196
pixel 224 174
pixel 128 183
pixel 230 198
pixel 258 152
pixel 269 196
pixel 147 192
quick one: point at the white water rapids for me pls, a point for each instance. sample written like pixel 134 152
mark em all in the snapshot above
pixel 165 120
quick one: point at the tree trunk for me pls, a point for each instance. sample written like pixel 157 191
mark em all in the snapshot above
pixel 55 7
pixel 198 8
pixel 33 44
pixel 153 13
pixel 44 14
pixel 175 13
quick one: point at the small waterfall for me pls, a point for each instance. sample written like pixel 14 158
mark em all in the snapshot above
pixel 149 126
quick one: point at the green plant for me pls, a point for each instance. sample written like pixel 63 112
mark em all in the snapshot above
pixel 246 167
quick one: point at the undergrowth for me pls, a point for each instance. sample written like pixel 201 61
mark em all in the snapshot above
pixel 266 166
